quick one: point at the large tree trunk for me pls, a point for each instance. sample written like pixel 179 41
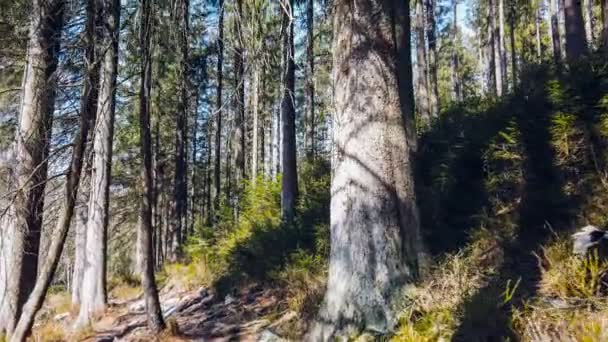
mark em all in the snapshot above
pixel 154 313
pixel 32 148
pixel 88 106
pixel 422 84
pixel 513 49
pixel 310 80
pixel 576 46
pixel 589 21
pixel 431 35
pixel 94 290
pixel 492 81
pixel 374 220
pixel 255 112
pixel 218 128
pixel 539 48
pixel 289 190
pixel 180 191
pixel 555 32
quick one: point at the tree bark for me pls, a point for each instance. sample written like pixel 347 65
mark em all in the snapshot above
pixel 239 106
pixel 492 81
pixel 555 33
pixel 431 35
pixel 513 49
pixel 374 220
pixel 456 85
pixel 88 107
pixel 255 109
pixel 576 46
pixel 180 190
pixel 310 81
pixel 153 310
pixel 218 127
pixel 421 62
pixel 289 190
pixel 501 44
pixel 589 22
pixel 604 9
pixel 94 290
pixel 32 148
pixel 539 47
pixel 496 39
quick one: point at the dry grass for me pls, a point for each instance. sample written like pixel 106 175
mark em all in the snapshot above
pixel 433 304
pixel 50 332
pixel 125 291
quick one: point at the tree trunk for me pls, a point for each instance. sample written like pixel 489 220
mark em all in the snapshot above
pixel 87 108
pixel 604 9
pixel 555 33
pixel 89 104
pixel 310 80
pixel 374 220
pixel 457 88
pixel 503 49
pixel 255 111
pixel 218 128
pixel 289 190
pixel 180 191
pixel 239 106
pixel 513 49
pixel 539 47
pixel 422 84
pixel 576 45
pixel 589 22
pixel 154 313
pixel 497 49
pixel 492 81
pixel 94 289
pixel 431 35
pixel 32 148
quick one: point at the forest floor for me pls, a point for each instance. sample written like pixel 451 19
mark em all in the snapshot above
pixel 252 314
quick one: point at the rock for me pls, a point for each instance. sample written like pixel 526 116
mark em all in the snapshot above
pixel 229 300
pixel 588 239
pixel 269 336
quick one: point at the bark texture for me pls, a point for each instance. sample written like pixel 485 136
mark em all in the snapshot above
pixel 431 35
pixel 604 9
pixel 153 310
pixel 374 220
pixel 94 290
pixel 310 80
pixel 218 125
pixel 421 61
pixel 289 190
pixel 576 46
pixel 589 21
pixel 31 151
pixel 555 32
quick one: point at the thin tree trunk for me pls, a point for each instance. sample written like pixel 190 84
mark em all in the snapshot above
pixel 431 35
pixel 604 9
pixel 457 88
pixel 503 49
pixel 497 49
pixel 218 128
pixel 289 190
pixel 239 106
pixel 576 45
pixel 153 310
pixel 555 33
pixel 88 104
pixel 421 62
pixel 32 148
pixel 539 48
pixel 94 290
pixel 374 220
pixel 514 73
pixel 492 81
pixel 255 102
pixel 310 80
pixel 589 22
